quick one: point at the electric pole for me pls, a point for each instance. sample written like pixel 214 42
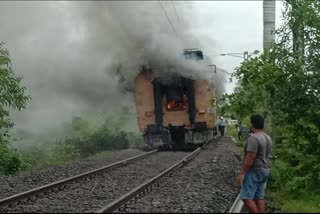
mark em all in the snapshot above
pixel 269 20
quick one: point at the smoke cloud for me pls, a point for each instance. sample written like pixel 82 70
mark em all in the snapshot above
pixel 79 57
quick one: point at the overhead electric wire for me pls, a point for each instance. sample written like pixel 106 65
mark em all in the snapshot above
pixel 164 11
pixel 172 26
pixel 175 11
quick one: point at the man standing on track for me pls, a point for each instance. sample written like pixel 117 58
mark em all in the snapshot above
pixel 255 171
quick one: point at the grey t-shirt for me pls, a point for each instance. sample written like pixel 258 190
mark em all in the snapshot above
pixel 261 144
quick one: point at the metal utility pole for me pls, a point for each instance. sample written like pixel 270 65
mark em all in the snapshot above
pixel 269 23
pixel 269 20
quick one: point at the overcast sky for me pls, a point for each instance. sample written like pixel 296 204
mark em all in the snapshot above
pixel 65 50
pixel 236 26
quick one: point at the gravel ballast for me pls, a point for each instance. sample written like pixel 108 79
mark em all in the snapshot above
pixel 207 184
pixel 11 185
pixel 90 194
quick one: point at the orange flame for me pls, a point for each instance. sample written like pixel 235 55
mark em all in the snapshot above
pixel 171 104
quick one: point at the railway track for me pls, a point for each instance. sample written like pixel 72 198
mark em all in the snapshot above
pixel 131 181
pixel 237 206
pixel 145 187
pixel 67 195
pixel 17 198
pixel 205 185
pixel 131 197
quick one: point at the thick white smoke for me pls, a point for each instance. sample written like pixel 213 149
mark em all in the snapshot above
pixel 72 54
pixel 152 33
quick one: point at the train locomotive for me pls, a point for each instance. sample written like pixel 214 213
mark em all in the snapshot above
pixel 174 111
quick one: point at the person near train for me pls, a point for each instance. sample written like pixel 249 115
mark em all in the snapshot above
pixel 255 170
pixel 222 126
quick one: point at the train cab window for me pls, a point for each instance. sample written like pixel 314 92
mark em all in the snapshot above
pixel 175 91
pixel 174 105
pixel 176 99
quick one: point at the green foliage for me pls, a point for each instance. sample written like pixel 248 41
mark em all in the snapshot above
pixel 281 174
pixel 65 151
pixel 80 126
pixel 81 142
pixel 283 84
pixel 12 96
pixel 37 156
pixel 98 141
pixel 307 202
pixel 10 161
pixel 213 102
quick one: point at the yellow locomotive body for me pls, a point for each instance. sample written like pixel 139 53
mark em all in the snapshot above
pixel 174 111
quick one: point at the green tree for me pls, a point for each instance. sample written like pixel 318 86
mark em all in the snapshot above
pixel 12 96
pixel 283 84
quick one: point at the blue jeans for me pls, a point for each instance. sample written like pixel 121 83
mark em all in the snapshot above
pixel 253 184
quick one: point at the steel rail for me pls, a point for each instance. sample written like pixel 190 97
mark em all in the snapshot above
pixel 48 187
pixel 113 206
pixel 237 206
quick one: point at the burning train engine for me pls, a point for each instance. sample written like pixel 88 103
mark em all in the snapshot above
pixel 174 111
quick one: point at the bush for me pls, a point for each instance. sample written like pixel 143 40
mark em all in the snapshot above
pixel 65 151
pixel 35 156
pixel 281 174
pixel 85 146
pixel 82 141
pixel 10 161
